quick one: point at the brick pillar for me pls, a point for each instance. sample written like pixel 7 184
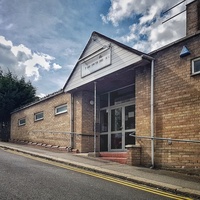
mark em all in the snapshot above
pixel 84 121
pixel 143 111
pixel 193 17
pixel 133 155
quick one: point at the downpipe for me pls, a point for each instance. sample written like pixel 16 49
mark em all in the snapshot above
pixel 152 115
pixel 147 57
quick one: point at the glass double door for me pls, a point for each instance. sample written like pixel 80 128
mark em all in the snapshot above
pixel 119 122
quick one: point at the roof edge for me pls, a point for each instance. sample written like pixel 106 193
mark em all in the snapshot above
pixel 38 101
pixel 173 43
pixel 108 39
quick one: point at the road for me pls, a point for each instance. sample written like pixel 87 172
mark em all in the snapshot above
pixel 23 178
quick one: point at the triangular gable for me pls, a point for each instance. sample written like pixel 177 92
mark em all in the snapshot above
pixel 100 57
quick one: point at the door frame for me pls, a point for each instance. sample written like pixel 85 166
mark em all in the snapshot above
pixel 123 131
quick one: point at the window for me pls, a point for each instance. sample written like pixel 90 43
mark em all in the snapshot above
pixel 104 121
pixel 38 116
pixel 61 109
pixel 22 121
pixel 104 100
pixel 196 66
pixel 122 95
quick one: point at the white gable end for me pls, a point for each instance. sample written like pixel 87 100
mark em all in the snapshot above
pixel 100 58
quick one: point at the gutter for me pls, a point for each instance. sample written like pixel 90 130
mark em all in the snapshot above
pixel 37 101
pixel 147 57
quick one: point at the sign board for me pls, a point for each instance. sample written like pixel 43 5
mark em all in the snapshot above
pixel 97 62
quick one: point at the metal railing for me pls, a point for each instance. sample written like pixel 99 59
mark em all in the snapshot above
pixel 47 135
pixel 167 139
pixel 46 131
pixel 69 137
pixel 70 133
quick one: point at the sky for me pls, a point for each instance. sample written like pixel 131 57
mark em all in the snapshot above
pixel 42 40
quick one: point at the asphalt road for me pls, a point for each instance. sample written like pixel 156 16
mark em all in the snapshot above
pixel 26 179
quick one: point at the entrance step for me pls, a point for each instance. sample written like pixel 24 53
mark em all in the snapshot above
pixel 119 157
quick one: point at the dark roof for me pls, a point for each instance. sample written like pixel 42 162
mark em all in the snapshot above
pixel 38 101
pixel 108 39
pixel 115 42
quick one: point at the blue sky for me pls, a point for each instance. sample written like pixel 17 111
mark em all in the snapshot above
pixel 43 39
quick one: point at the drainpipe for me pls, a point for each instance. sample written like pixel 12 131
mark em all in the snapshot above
pixel 72 122
pixel 152 114
pixel 95 117
pixel 152 107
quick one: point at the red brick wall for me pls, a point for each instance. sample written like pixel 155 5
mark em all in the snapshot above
pixel 142 93
pixel 193 18
pixel 177 106
pixel 83 121
pixel 39 131
pixel 133 155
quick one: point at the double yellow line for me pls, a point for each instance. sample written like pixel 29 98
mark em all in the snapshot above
pixel 104 177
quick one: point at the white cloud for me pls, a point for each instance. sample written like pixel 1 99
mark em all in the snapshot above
pixel 5 42
pixel 147 32
pixel 119 10
pixel 56 66
pixel 41 95
pixel 20 48
pixel 150 15
pixel 23 61
pixel 31 69
pixel 40 59
pixel 9 26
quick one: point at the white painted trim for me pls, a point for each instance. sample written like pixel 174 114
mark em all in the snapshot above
pixel 198 72
pixel 35 118
pixel 22 124
pixel 60 106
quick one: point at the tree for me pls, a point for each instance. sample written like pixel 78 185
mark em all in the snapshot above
pixel 14 93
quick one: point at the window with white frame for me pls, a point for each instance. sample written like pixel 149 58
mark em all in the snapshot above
pixel 196 66
pixel 38 116
pixel 22 122
pixel 61 109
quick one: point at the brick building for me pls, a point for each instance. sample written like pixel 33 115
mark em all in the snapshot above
pixel 114 91
pixel 45 121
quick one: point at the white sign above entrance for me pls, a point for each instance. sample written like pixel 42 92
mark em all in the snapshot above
pixel 96 63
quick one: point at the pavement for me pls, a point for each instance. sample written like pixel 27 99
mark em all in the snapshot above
pixel 175 182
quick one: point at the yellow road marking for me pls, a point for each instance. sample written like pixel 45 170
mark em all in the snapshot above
pixel 102 176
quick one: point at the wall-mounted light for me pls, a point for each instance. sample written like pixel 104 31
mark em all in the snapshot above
pixel 184 52
pixel 91 102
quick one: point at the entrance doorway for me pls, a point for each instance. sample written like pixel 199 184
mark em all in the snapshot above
pixel 117 120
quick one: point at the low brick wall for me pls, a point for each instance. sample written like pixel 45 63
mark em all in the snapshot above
pixel 133 155
pixel 52 129
pixel 52 138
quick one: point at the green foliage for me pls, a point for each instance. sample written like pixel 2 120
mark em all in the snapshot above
pixel 14 93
